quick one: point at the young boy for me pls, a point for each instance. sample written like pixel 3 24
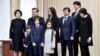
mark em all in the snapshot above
pixel 37 37
pixel 27 42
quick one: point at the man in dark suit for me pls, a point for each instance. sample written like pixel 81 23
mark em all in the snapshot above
pixel 77 6
pixel 35 12
pixel 67 31
pixel 31 23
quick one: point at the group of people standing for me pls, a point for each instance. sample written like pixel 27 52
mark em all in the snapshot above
pixel 39 38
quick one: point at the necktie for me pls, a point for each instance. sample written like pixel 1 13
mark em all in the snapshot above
pixel 64 20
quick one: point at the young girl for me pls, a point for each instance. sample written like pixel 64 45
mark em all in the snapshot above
pixel 37 37
pixel 27 42
pixel 49 39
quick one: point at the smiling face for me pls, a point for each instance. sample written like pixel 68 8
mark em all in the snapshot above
pixel 18 15
pixel 49 25
pixel 66 12
pixel 34 12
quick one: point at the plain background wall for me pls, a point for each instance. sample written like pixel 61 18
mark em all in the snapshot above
pixel 4 19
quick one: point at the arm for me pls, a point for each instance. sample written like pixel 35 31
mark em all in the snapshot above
pixel 90 27
pixel 73 27
pixel 53 42
pixel 28 22
pixel 11 30
pixel 43 31
pixel 24 26
pixel 32 37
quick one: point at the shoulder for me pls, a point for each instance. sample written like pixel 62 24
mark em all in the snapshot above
pixel 41 17
pixel 71 17
pixel 22 19
pixel 41 26
pixel 13 20
pixel 89 17
pixel 73 13
pixel 54 32
pixel 61 17
pixel 33 27
pixel 30 18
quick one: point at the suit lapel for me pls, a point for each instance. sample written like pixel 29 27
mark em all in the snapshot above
pixel 67 20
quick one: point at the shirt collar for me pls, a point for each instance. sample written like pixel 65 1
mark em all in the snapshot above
pixel 77 10
pixel 37 25
pixel 66 16
pixel 85 16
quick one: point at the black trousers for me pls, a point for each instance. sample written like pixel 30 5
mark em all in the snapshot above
pixel 38 51
pixel 29 51
pixel 75 43
pixel 67 43
pixel 84 50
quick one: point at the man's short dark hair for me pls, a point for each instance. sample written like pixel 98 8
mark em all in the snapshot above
pixel 67 9
pixel 77 3
pixel 18 11
pixel 35 9
pixel 83 10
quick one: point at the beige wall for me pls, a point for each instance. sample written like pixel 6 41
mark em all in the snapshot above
pixel 14 4
pixel 93 7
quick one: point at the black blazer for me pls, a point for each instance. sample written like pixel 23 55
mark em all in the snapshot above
pixel 86 30
pixel 56 25
pixel 31 23
pixel 77 20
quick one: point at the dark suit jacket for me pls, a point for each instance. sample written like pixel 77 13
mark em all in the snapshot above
pixel 31 23
pixel 56 25
pixel 27 40
pixel 77 20
pixel 37 35
pixel 67 29
pixel 86 30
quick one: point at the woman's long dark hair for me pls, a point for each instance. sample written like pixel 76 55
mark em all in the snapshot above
pixel 53 11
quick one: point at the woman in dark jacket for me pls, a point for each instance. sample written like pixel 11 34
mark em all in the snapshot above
pixel 85 32
pixel 52 16
pixel 17 30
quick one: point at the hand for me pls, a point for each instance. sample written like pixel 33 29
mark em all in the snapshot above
pixel 72 38
pixel 25 34
pixel 25 46
pixel 79 39
pixel 34 44
pixel 42 44
pixel 89 40
pixel 10 40
pixel 77 30
pixel 23 40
